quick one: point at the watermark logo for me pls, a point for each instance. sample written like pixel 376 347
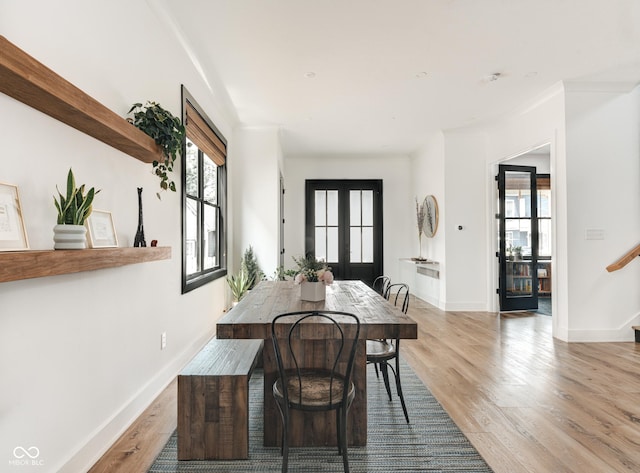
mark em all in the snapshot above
pixel 29 456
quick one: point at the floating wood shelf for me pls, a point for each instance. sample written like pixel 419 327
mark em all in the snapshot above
pixel 29 81
pixel 17 265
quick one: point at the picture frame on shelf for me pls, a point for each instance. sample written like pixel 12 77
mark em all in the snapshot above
pixel 13 234
pixel 101 230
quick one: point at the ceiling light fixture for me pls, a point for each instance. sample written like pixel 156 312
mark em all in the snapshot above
pixel 310 74
pixel 493 77
pixel 421 75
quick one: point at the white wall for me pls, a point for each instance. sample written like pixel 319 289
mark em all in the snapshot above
pixel 428 178
pixel 465 191
pixel 80 354
pixel 254 188
pixel 603 170
pixel 398 202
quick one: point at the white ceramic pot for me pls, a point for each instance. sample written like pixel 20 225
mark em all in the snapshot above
pixel 313 291
pixel 70 237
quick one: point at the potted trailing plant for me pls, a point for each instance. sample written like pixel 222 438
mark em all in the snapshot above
pixel 250 265
pixel 73 210
pixel 239 285
pixel 517 253
pixel 166 130
pixel 313 276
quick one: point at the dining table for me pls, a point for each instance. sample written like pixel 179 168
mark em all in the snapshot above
pixel 251 319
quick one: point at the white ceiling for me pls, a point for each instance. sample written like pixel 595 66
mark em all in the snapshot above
pixel 370 93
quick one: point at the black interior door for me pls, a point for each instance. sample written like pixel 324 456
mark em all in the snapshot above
pixel 518 222
pixel 344 226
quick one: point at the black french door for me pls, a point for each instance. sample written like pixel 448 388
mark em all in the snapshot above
pixel 343 226
pixel 518 235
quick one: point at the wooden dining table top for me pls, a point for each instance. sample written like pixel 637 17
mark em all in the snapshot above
pixel 252 316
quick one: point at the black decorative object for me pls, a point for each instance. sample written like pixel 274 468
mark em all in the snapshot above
pixel 139 240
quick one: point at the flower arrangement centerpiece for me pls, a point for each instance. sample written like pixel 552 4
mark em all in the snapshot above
pixel 313 276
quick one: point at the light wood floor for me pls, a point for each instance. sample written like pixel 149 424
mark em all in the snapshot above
pixel 527 402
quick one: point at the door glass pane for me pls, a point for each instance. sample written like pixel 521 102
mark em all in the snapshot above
pixel 332 208
pixel 191 164
pixel 355 255
pixel 519 279
pixel 332 245
pixel 354 208
pixel 321 243
pixel 518 234
pixel 192 260
pixel 210 238
pixel 518 194
pixel 367 244
pixel 367 208
pixel 210 179
pixel 321 208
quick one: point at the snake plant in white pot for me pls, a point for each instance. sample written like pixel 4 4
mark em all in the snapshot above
pixel 73 210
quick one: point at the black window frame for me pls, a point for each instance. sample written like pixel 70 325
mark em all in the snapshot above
pixel 204 276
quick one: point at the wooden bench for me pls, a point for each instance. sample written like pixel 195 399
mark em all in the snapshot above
pixel 213 401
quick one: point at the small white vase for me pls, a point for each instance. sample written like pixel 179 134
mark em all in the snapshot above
pixel 313 291
pixel 70 237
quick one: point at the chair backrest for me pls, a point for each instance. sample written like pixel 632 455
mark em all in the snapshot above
pixel 400 292
pixel 317 340
pixel 380 284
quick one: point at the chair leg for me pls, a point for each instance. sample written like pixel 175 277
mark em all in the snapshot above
pixel 384 368
pixel 339 431
pixel 375 365
pixel 284 440
pixel 343 437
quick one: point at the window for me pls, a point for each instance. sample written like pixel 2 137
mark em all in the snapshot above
pixel 204 197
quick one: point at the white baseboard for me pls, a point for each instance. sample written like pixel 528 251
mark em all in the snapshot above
pixel 109 432
pixel 624 333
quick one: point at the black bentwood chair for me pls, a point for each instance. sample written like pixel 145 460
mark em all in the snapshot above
pixel 380 284
pixel 315 375
pixel 380 352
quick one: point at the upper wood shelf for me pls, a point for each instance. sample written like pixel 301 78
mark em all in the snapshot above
pixel 17 265
pixel 29 81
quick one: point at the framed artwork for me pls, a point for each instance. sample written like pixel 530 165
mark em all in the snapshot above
pixel 13 234
pixel 101 231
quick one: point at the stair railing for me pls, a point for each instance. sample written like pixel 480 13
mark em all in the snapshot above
pixel 625 260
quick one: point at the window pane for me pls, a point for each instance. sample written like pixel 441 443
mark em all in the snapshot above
pixel 191 237
pixel 356 246
pixel 544 237
pixel 321 243
pixel 332 245
pixel 544 203
pixel 367 208
pixel 354 208
pixel 210 247
pixel 191 163
pixel 321 208
pixel 210 180
pixel 367 244
pixel 332 207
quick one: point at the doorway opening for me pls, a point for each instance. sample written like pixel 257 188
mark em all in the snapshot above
pixel 524 233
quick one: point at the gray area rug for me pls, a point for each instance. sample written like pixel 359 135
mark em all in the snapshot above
pixel 430 443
